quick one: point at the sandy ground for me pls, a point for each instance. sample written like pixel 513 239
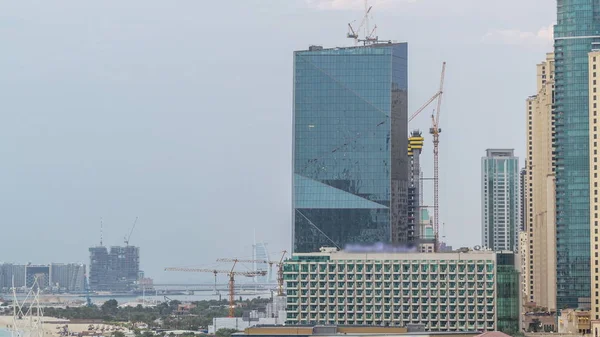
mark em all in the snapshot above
pixel 54 328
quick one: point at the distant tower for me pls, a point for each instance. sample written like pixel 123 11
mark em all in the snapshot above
pixel 260 252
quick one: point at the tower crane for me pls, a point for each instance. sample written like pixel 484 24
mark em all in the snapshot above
pixel 370 37
pixel 280 274
pixel 231 274
pixel 270 263
pixel 437 95
pixel 435 131
pixel 126 239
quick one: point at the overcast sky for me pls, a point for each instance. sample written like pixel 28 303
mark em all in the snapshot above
pixel 179 112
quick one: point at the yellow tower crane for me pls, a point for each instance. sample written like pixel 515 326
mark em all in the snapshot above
pixel 270 263
pixel 231 274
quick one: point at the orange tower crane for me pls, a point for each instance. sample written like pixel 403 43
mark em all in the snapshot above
pixel 231 274
pixel 280 274
pixel 270 263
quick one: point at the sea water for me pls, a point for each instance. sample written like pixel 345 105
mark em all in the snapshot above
pixel 4 333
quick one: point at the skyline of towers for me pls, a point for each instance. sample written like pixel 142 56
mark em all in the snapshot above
pixel 500 200
pixel 60 277
pixel 350 162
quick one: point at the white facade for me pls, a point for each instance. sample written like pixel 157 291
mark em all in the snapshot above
pixel 240 324
pixel 444 291
pixel 500 200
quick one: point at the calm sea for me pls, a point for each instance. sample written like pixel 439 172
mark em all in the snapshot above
pixel 4 333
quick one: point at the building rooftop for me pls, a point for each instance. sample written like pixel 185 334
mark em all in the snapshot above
pixel 462 254
pixel 500 152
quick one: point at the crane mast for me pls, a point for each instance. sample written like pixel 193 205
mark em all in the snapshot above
pixel 435 131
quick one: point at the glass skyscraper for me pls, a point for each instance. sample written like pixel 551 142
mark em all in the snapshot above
pixel 500 198
pixel 350 144
pixel 577 32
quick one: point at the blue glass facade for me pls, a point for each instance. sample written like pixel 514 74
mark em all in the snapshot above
pixel 577 24
pixel 349 150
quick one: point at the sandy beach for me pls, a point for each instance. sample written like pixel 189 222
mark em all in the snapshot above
pixel 52 326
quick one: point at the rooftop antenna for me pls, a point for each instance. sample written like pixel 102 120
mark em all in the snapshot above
pixel 101 232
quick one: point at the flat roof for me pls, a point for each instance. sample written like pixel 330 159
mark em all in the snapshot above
pixel 455 255
pixel 373 45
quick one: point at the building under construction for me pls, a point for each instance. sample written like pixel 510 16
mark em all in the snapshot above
pixel 415 146
pixel 418 216
pixel 116 269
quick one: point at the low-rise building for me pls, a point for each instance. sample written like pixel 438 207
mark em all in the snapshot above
pixel 450 291
pixel 574 321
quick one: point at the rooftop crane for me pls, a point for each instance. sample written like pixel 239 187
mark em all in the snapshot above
pixel 231 274
pixel 369 34
pixel 270 263
pixel 130 232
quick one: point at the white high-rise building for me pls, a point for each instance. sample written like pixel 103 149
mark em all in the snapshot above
pixel 500 200
pixel 261 253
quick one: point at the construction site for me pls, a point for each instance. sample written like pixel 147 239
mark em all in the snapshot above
pixel 116 269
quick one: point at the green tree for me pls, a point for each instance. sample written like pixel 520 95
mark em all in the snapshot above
pixel 118 334
pixel 110 307
pixel 225 332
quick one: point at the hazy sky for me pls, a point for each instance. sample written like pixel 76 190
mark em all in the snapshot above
pixel 179 112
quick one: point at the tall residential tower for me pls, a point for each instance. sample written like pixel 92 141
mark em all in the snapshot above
pixel 575 35
pixel 540 228
pixel 349 146
pixel 500 199
pixel 594 92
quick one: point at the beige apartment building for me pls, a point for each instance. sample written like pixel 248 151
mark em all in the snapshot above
pixel 594 91
pixel 539 274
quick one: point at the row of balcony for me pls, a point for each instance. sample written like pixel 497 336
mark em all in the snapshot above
pixel 391 268
pixel 451 325
pixel 338 286
pixel 397 294
pixel 426 318
pixel 424 309
pixel 341 302
pixel 386 277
